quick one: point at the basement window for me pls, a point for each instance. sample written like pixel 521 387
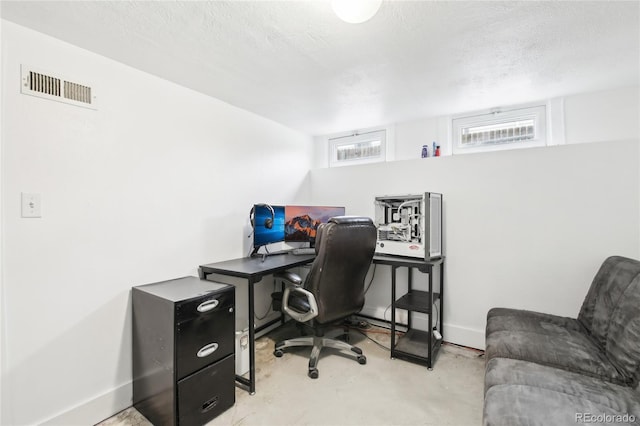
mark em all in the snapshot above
pixel 516 127
pixel 357 149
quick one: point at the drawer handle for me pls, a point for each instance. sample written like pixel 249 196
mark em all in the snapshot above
pixel 209 404
pixel 207 350
pixel 208 305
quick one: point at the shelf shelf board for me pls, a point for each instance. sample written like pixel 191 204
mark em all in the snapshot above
pixel 416 344
pixel 416 300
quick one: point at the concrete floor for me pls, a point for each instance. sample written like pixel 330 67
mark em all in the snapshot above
pixel 382 392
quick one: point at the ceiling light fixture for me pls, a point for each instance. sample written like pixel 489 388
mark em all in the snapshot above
pixel 355 11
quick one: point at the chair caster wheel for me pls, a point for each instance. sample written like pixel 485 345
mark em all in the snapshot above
pixel 313 373
pixel 278 353
pixel 362 359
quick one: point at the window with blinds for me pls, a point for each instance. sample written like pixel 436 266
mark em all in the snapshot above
pixel 358 148
pixel 501 129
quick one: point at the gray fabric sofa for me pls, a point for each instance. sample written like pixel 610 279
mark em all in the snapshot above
pixel 544 369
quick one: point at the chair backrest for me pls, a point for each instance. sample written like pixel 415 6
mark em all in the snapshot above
pixel 344 250
pixel 611 313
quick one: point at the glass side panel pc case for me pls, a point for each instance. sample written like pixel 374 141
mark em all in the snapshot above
pixel 268 224
pixel 409 225
pixel 301 222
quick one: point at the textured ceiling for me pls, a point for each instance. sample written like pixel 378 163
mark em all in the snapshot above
pixel 295 62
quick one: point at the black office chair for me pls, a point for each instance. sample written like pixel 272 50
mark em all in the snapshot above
pixel 334 288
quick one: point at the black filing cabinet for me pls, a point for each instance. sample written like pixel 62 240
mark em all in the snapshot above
pixel 183 350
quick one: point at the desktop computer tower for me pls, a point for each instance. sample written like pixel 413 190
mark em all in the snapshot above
pixel 409 225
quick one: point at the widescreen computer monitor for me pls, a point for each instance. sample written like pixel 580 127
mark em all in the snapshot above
pixel 268 225
pixel 301 222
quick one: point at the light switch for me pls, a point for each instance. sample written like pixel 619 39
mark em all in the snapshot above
pixel 31 204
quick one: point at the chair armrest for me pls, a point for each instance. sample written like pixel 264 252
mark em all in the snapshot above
pixel 298 316
pixel 289 276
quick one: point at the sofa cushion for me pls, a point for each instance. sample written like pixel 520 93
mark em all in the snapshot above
pixel 523 393
pixel 547 340
pixel 504 371
pixel 505 319
pixel 522 405
pixel 610 313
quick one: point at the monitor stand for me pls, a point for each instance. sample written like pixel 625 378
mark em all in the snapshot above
pixel 255 253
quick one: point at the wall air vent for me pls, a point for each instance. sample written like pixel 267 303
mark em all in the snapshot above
pixel 48 86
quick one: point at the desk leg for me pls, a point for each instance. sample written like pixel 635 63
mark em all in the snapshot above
pixel 409 288
pixel 393 311
pixel 441 316
pixel 251 383
pixel 252 341
pixel 430 322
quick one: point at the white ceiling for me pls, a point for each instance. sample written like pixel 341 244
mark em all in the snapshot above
pixel 295 62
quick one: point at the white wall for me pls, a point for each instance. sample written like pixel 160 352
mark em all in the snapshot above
pixel 523 228
pixel 157 181
pixel 611 117
pixel 603 116
pixel 2 333
pixel 608 115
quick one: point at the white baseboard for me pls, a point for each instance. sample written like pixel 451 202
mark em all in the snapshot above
pixel 385 314
pixel 452 333
pixel 464 336
pixel 96 409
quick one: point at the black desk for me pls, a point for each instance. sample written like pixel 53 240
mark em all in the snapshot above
pixel 416 345
pixel 253 269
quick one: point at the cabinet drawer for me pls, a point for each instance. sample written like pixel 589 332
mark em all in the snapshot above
pixel 203 340
pixel 207 393
pixel 205 306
